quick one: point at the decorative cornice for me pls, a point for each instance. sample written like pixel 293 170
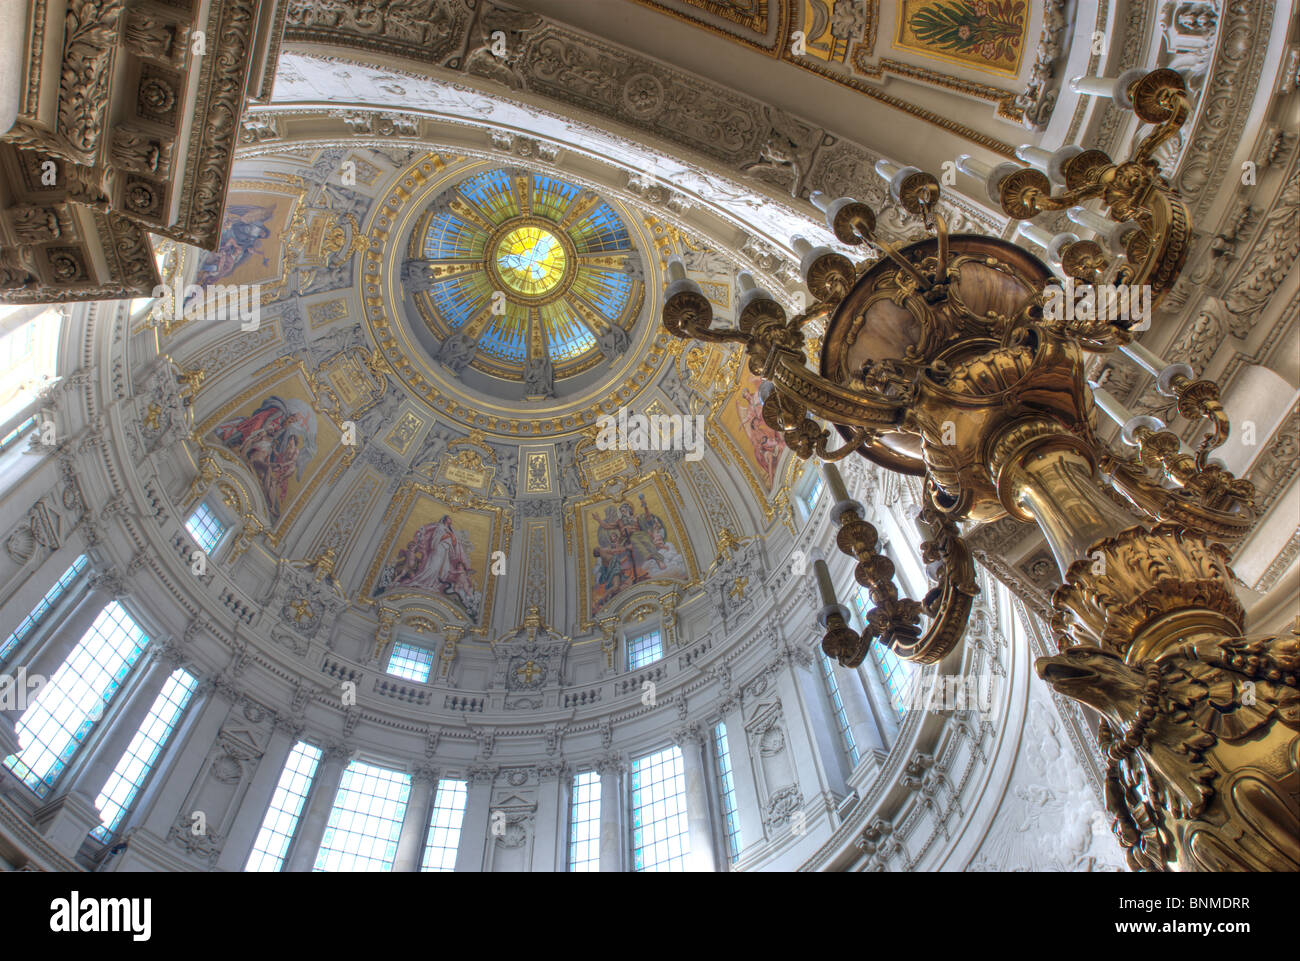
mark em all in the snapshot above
pixel 1280 564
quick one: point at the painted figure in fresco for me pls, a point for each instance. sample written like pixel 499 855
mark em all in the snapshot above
pixel 241 237
pixel 669 561
pixel 277 442
pixel 609 556
pixel 766 443
pixel 435 559
pixel 631 547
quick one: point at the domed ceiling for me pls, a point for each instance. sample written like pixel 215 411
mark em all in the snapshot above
pixel 513 301
pixel 440 337
pixel 525 278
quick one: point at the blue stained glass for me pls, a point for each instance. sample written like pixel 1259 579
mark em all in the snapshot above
pixel 450 238
pixel 367 815
pixel 600 231
pixel 461 236
pixel 727 786
pixel 124 783
pixel 662 799
pixel 607 291
pixel 205 527
pixel 56 723
pixel 443 839
pixel 410 662
pixel 459 299
pixel 505 336
pixel 551 198
pixel 493 193
pixel 584 822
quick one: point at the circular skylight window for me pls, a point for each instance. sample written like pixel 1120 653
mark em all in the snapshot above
pixel 530 261
pixel 527 272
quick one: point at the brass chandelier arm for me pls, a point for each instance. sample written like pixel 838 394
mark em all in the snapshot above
pixel 1200 398
pixel 770 342
pixel 690 315
pixel 805 436
pixel 1216 488
pixel 1168 506
pixel 1214 439
pixel 1094 336
pixel 856 224
pixel 824 399
pixel 856 439
pixel 1166 131
pixel 948 603
pixel 895 621
pixel 1027 193
pixel 941 233
pixel 905 265
pixel 819 309
pixel 1160 98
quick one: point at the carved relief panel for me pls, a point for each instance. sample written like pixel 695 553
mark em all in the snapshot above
pixel 512 822
pixel 204 821
pixel 767 737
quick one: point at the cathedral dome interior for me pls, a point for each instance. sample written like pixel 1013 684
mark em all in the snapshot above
pixel 622 436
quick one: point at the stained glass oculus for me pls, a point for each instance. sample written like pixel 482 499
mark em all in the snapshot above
pixel 526 268
pixel 531 260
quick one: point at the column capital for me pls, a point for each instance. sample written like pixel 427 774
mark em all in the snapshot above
pixel 110 581
pixel 727 705
pixel 556 770
pixel 336 752
pixel 169 654
pixel 481 774
pixel 690 734
pixel 425 774
pixel 611 764
pixel 291 725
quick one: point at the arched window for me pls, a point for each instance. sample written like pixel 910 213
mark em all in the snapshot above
pixel 643 649
pixel 410 662
pixel 133 768
pixel 837 706
pixel 45 608
pixel 810 489
pixel 207 527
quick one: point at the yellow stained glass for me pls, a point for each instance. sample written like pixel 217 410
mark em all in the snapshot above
pixel 530 260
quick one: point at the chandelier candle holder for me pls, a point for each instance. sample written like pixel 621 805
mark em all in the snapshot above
pixel 939 361
pixel 1134 429
pixel 1050 162
pixel 991 176
pixel 833 616
pixel 1118 88
pixel 1054 244
pixel 1196 398
pixel 1113 233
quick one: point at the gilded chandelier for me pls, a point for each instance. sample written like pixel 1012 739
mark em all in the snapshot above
pixel 940 360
